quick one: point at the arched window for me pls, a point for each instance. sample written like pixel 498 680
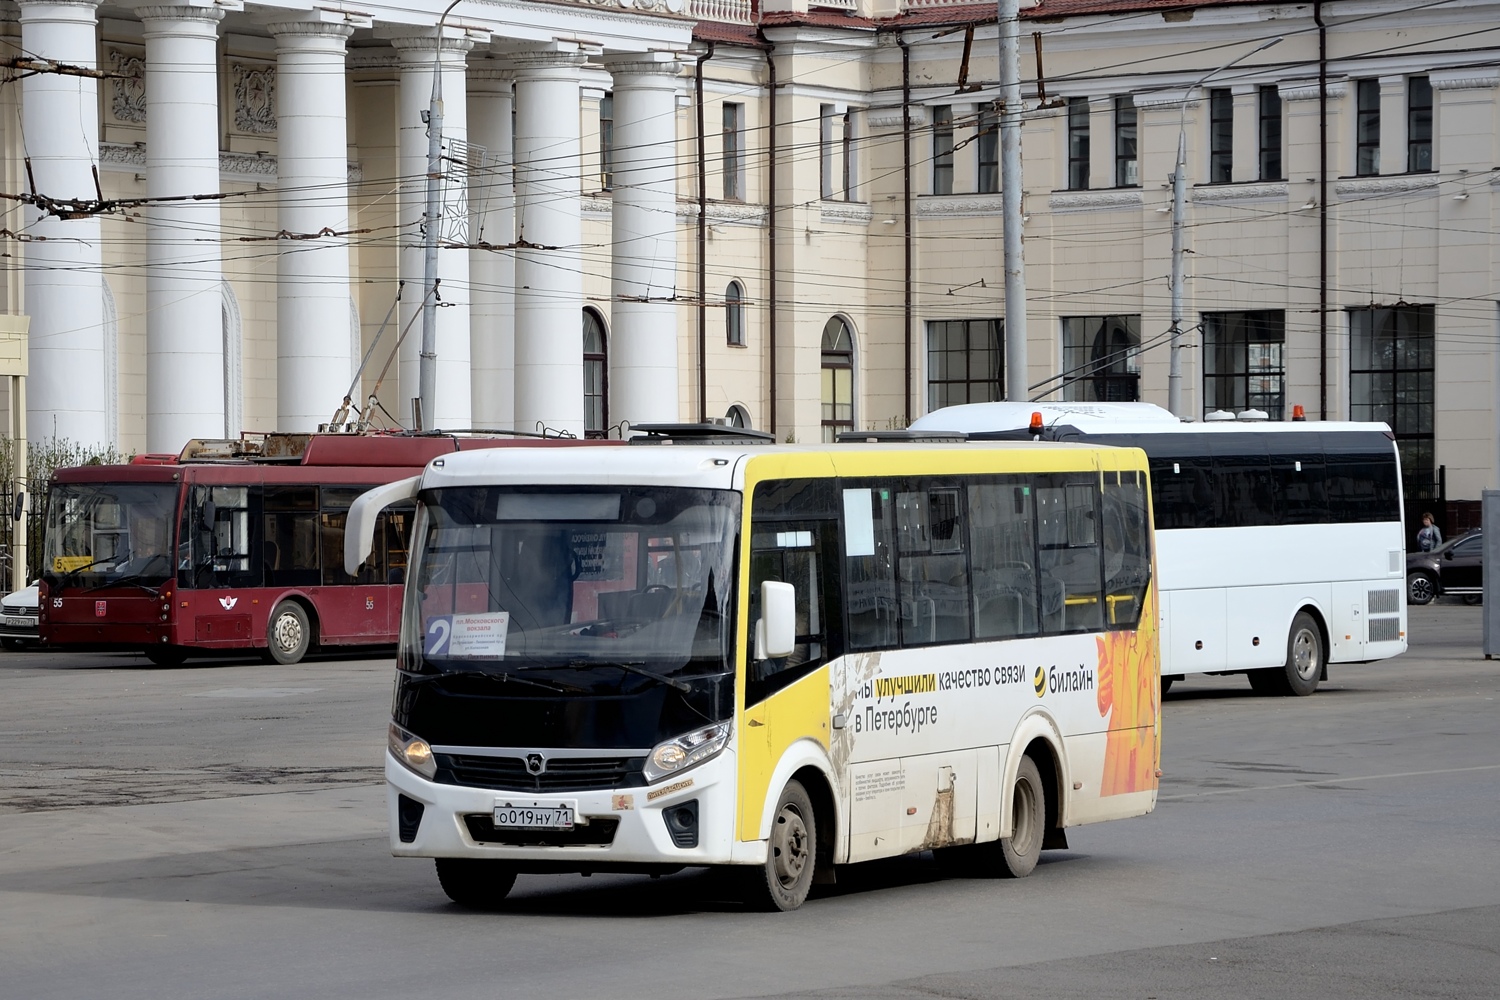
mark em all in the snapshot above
pixel 734 314
pixel 838 378
pixel 595 376
pixel 738 416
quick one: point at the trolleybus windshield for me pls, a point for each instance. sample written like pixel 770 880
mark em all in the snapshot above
pixel 106 533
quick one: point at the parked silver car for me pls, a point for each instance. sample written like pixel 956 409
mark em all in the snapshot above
pixel 18 614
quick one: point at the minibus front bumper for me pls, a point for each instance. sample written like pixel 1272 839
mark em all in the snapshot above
pixel 685 819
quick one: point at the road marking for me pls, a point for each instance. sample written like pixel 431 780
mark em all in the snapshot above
pixel 1329 781
pixel 266 692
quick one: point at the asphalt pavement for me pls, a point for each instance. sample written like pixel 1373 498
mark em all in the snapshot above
pixel 218 830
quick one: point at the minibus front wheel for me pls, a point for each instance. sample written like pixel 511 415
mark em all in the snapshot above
pixel 791 854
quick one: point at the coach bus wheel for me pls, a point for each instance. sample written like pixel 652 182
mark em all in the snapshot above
pixel 474 883
pixel 288 634
pixel 782 882
pixel 1304 662
pixel 1166 682
pixel 1019 852
pixel 166 656
pixel 1420 588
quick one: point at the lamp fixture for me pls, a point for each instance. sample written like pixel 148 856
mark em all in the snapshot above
pixel 1461 196
pixel 1311 203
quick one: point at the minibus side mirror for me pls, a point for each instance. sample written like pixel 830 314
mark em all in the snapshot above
pixel 776 631
pixel 359 527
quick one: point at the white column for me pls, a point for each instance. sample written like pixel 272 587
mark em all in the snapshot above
pixel 492 273
pixel 184 303
pixel 312 276
pixel 452 348
pixel 63 264
pixel 643 359
pixel 549 282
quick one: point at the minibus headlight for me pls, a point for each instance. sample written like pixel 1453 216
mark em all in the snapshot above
pixel 684 751
pixel 412 751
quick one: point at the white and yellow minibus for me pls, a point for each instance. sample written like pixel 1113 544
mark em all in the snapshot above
pixel 779 658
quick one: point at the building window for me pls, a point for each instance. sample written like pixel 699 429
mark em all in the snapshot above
pixel 1391 379
pixel 595 376
pixel 1243 361
pixel 1078 144
pixel 838 378
pixel 965 362
pixel 607 142
pixel 1418 124
pixel 989 150
pixel 1127 167
pixel 942 149
pixel 1367 128
pixel 827 174
pixel 737 416
pixel 734 315
pixel 849 178
pixel 1220 135
pixel 1269 99
pixel 1100 358
pixel 734 151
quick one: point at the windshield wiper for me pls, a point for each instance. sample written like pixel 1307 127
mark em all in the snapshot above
pixel 503 678
pixel 131 580
pixel 635 668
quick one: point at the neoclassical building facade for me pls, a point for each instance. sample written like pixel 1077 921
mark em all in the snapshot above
pixel 780 213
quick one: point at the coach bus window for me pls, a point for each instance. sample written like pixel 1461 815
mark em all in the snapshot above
pixel 1127 554
pixel 1361 477
pixel 1298 476
pixel 222 540
pixel 869 567
pixel 1002 543
pixel 1242 470
pixel 1068 557
pixel 931 570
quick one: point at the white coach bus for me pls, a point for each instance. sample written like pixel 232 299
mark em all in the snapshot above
pixel 738 653
pixel 1280 544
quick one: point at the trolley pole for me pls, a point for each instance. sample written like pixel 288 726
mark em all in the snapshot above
pixel 1010 200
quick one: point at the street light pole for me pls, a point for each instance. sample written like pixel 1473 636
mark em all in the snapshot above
pixel 1010 200
pixel 433 221
pixel 1179 208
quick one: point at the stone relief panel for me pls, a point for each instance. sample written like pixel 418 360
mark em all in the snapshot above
pixel 127 91
pixel 254 90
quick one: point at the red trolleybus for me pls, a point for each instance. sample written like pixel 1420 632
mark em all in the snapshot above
pixel 231 545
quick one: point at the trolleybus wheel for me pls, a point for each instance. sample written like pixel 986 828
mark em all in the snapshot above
pixel 288 633
pixel 1304 662
pixel 783 881
pixel 475 883
pixel 166 656
pixel 1016 855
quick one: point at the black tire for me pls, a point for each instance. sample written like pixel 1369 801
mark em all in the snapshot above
pixel 474 883
pixel 1166 682
pixel 1017 854
pixel 288 633
pixel 1421 588
pixel 1472 599
pixel 166 656
pixel 1304 662
pixel 791 855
